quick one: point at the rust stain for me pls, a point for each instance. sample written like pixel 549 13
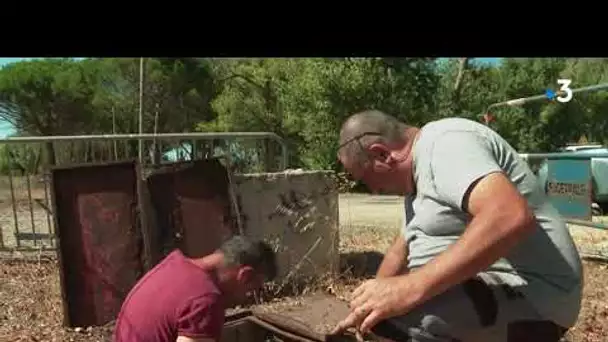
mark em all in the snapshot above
pixel 99 246
pixel 192 205
pixel 311 316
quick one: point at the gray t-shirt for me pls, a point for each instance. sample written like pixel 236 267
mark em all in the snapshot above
pixel 449 155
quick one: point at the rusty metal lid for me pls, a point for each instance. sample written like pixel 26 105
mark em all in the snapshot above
pixel 291 325
pixel 312 316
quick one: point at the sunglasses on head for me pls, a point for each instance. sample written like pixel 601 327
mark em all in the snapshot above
pixel 356 138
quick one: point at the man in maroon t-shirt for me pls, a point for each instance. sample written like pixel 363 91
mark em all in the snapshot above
pixel 183 299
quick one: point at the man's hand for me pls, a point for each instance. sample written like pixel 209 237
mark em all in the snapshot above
pixel 501 219
pixel 379 299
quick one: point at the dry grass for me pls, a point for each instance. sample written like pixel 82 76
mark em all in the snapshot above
pixel 30 304
pixel 20 188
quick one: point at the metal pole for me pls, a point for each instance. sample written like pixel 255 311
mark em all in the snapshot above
pixel 563 155
pixel 141 109
pixel 144 136
pixel 590 224
pixel 114 132
pixel 523 100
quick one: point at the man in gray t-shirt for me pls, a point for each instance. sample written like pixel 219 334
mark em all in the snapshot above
pixel 483 256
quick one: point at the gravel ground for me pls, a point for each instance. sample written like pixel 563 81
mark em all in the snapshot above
pixel 30 303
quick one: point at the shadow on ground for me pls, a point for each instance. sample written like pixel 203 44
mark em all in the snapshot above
pixel 362 264
pixel 353 266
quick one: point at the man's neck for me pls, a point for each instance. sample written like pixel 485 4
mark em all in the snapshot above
pixel 208 262
pixel 412 134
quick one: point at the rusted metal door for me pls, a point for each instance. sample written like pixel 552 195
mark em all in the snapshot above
pixel 192 206
pixel 254 327
pixel 100 244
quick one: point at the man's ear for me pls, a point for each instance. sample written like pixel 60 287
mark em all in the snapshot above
pixel 380 152
pixel 245 274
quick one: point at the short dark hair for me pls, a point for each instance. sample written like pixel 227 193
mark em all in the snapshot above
pixel 368 127
pixel 242 251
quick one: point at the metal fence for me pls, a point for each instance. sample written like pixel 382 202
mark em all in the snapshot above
pixel 26 221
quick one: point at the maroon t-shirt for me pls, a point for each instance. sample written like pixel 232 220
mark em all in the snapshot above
pixel 176 298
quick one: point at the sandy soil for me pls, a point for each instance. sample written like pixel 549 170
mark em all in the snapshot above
pixel 359 210
pixel 31 309
pixel 30 303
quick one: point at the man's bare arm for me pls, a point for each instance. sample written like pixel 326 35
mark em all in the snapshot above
pixel 393 262
pixel 501 218
pixel 190 339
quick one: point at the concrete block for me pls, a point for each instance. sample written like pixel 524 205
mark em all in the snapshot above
pixel 297 213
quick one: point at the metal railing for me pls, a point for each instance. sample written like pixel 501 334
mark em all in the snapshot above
pixel 25 208
pixel 563 155
pixel 160 136
pixel 524 100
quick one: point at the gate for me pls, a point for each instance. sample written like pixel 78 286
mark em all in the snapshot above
pixel 26 215
pixel 100 248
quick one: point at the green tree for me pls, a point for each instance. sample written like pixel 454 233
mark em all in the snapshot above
pixel 524 127
pixel 177 95
pixel 306 100
pixel 593 106
pixel 47 97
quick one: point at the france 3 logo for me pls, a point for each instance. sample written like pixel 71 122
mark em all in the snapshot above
pixel 564 94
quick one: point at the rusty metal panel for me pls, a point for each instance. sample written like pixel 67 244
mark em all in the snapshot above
pixel 241 329
pixel 159 210
pixel 99 240
pixel 248 326
pixel 312 316
pixel 291 325
pixel 192 206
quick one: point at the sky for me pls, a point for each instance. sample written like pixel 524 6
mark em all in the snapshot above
pixel 4 61
pixel 489 60
pixel 6 129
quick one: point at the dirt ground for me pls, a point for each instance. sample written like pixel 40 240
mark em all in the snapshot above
pixel 31 308
pixel 30 304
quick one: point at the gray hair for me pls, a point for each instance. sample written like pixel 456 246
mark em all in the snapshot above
pixel 369 127
pixel 242 251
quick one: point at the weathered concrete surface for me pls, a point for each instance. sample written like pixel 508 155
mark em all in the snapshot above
pixel 297 212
